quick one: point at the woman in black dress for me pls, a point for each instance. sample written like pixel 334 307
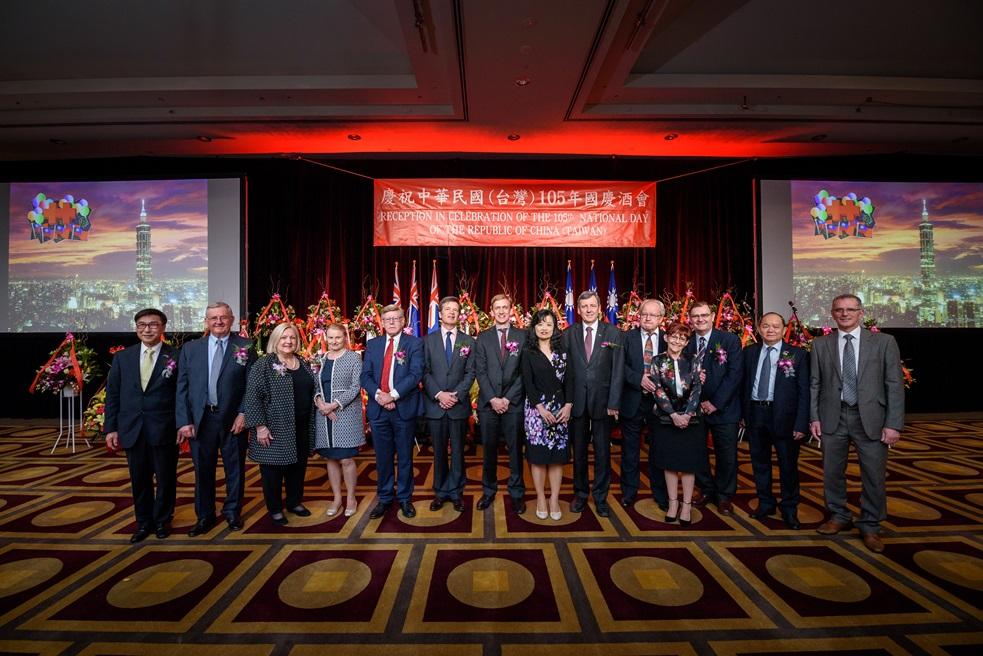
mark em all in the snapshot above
pixel 680 447
pixel 548 384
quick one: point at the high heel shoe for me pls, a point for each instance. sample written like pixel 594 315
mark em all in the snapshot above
pixel 556 515
pixel 351 510
pixel 672 518
pixel 686 522
pixel 541 514
pixel 333 510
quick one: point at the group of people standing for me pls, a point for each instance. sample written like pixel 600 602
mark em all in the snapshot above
pixel 549 395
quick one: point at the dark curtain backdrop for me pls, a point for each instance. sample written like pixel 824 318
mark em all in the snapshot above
pixel 310 229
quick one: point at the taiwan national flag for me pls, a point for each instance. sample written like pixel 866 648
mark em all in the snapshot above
pixel 592 287
pixel 612 311
pixel 414 317
pixel 433 309
pixel 568 300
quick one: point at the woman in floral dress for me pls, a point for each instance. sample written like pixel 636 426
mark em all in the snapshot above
pixel 548 384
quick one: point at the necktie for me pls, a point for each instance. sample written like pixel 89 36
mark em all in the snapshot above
pixel 588 343
pixel 213 372
pixel 764 376
pixel 146 368
pixel 502 333
pixel 648 353
pixel 849 372
pixel 701 351
pixel 387 365
pixel 448 348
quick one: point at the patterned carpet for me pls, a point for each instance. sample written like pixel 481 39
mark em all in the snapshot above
pixel 487 583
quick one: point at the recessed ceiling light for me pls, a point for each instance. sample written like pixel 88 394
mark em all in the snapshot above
pixel 522 81
pixel 670 136
pixel 203 138
pixel 529 22
pixel 354 137
pixel 58 142
pixel 525 49
pixel 514 136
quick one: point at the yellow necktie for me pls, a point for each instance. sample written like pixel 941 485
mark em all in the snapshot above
pixel 146 368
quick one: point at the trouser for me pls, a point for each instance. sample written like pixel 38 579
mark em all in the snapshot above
pixel 872 455
pixel 211 439
pixel 584 430
pixel 448 480
pixel 761 440
pixel 494 427
pixel 392 439
pixel 722 485
pixel 146 463
pixel 631 453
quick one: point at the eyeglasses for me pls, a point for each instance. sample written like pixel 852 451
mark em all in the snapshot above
pixel 221 317
pixel 392 319
pixel 699 316
pixel 677 338
pixel 148 325
pixel 846 310
pixel 649 315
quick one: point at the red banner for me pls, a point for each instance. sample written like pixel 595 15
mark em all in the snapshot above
pixel 463 212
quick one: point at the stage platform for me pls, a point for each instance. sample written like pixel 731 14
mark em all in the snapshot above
pixel 488 583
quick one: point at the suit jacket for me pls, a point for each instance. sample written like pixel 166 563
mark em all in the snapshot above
pixel 192 383
pixel 269 401
pixel 880 390
pixel 722 387
pixel 344 386
pixel 457 377
pixel 790 406
pixel 631 395
pixel 495 378
pixel 406 375
pixel 132 411
pixel 667 400
pixel 598 383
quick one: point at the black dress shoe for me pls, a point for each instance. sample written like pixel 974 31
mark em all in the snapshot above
pixel 663 505
pixel 235 523
pixel 484 502
pixel 140 534
pixel 279 519
pixel 519 506
pixel 699 500
pixel 627 502
pixel 603 509
pixel 437 504
pixel 201 526
pixel 379 510
pixel 577 505
pixel 792 521
pixel 162 531
pixel 300 511
pixel 458 505
pixel 761 514
pixel 408 509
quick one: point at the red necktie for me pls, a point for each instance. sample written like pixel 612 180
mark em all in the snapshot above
pixel 387 365
pixel 502 354
pixel 588 343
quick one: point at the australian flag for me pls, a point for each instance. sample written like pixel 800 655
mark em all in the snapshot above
pixel 433 309
pixel 414 317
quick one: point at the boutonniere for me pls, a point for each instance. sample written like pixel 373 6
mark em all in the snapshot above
pixel 401 357
pixel 610 345
pixel 242 356
pixel 721 354
pixel 785 364
pixel 464 351
pixel 512 348
pixel 169 368
pixel 280 368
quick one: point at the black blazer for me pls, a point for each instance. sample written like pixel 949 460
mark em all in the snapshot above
pixel 134 412
pixel 790 409
pixel 598 383
pixel 667 401
pixel 439 377
pixel 631 395
pixel 497 379
pixel 722 386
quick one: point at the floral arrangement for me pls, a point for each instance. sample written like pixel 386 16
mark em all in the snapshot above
pixel 367 321
pixel 94 417
pixel 322 314
pixel 71 365
pixel 518 316
pixel 472 319
pixel 677 309
pixel 549 303
pixel 275 312
pixel 628 316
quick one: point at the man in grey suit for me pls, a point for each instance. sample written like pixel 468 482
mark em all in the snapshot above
pixel 210 386
pixel 856 396
pixel 597 363
pixel 500 396
pixel 447 377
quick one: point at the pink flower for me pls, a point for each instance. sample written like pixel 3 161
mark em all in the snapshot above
pixel 464 351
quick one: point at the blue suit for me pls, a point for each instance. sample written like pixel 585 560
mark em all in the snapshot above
pixel 144 420
pixel 213 425
pixel 392 430
pixel 722 363
pixel 773 425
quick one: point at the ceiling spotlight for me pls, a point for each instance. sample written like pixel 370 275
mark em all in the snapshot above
pixel 58 142
pixel 670 136
pixel 354 137
pixel 522 81
pixel 514 136
pixel 204 139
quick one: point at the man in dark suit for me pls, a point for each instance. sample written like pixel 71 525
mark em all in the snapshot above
pixel 597 362
pixel 447 378
pixel 719 355
pixel 500 394
pixel 210 415
pixel 856 397
pixel 140 418
pixel 391 376
pixel 638 402
pixel 776 414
